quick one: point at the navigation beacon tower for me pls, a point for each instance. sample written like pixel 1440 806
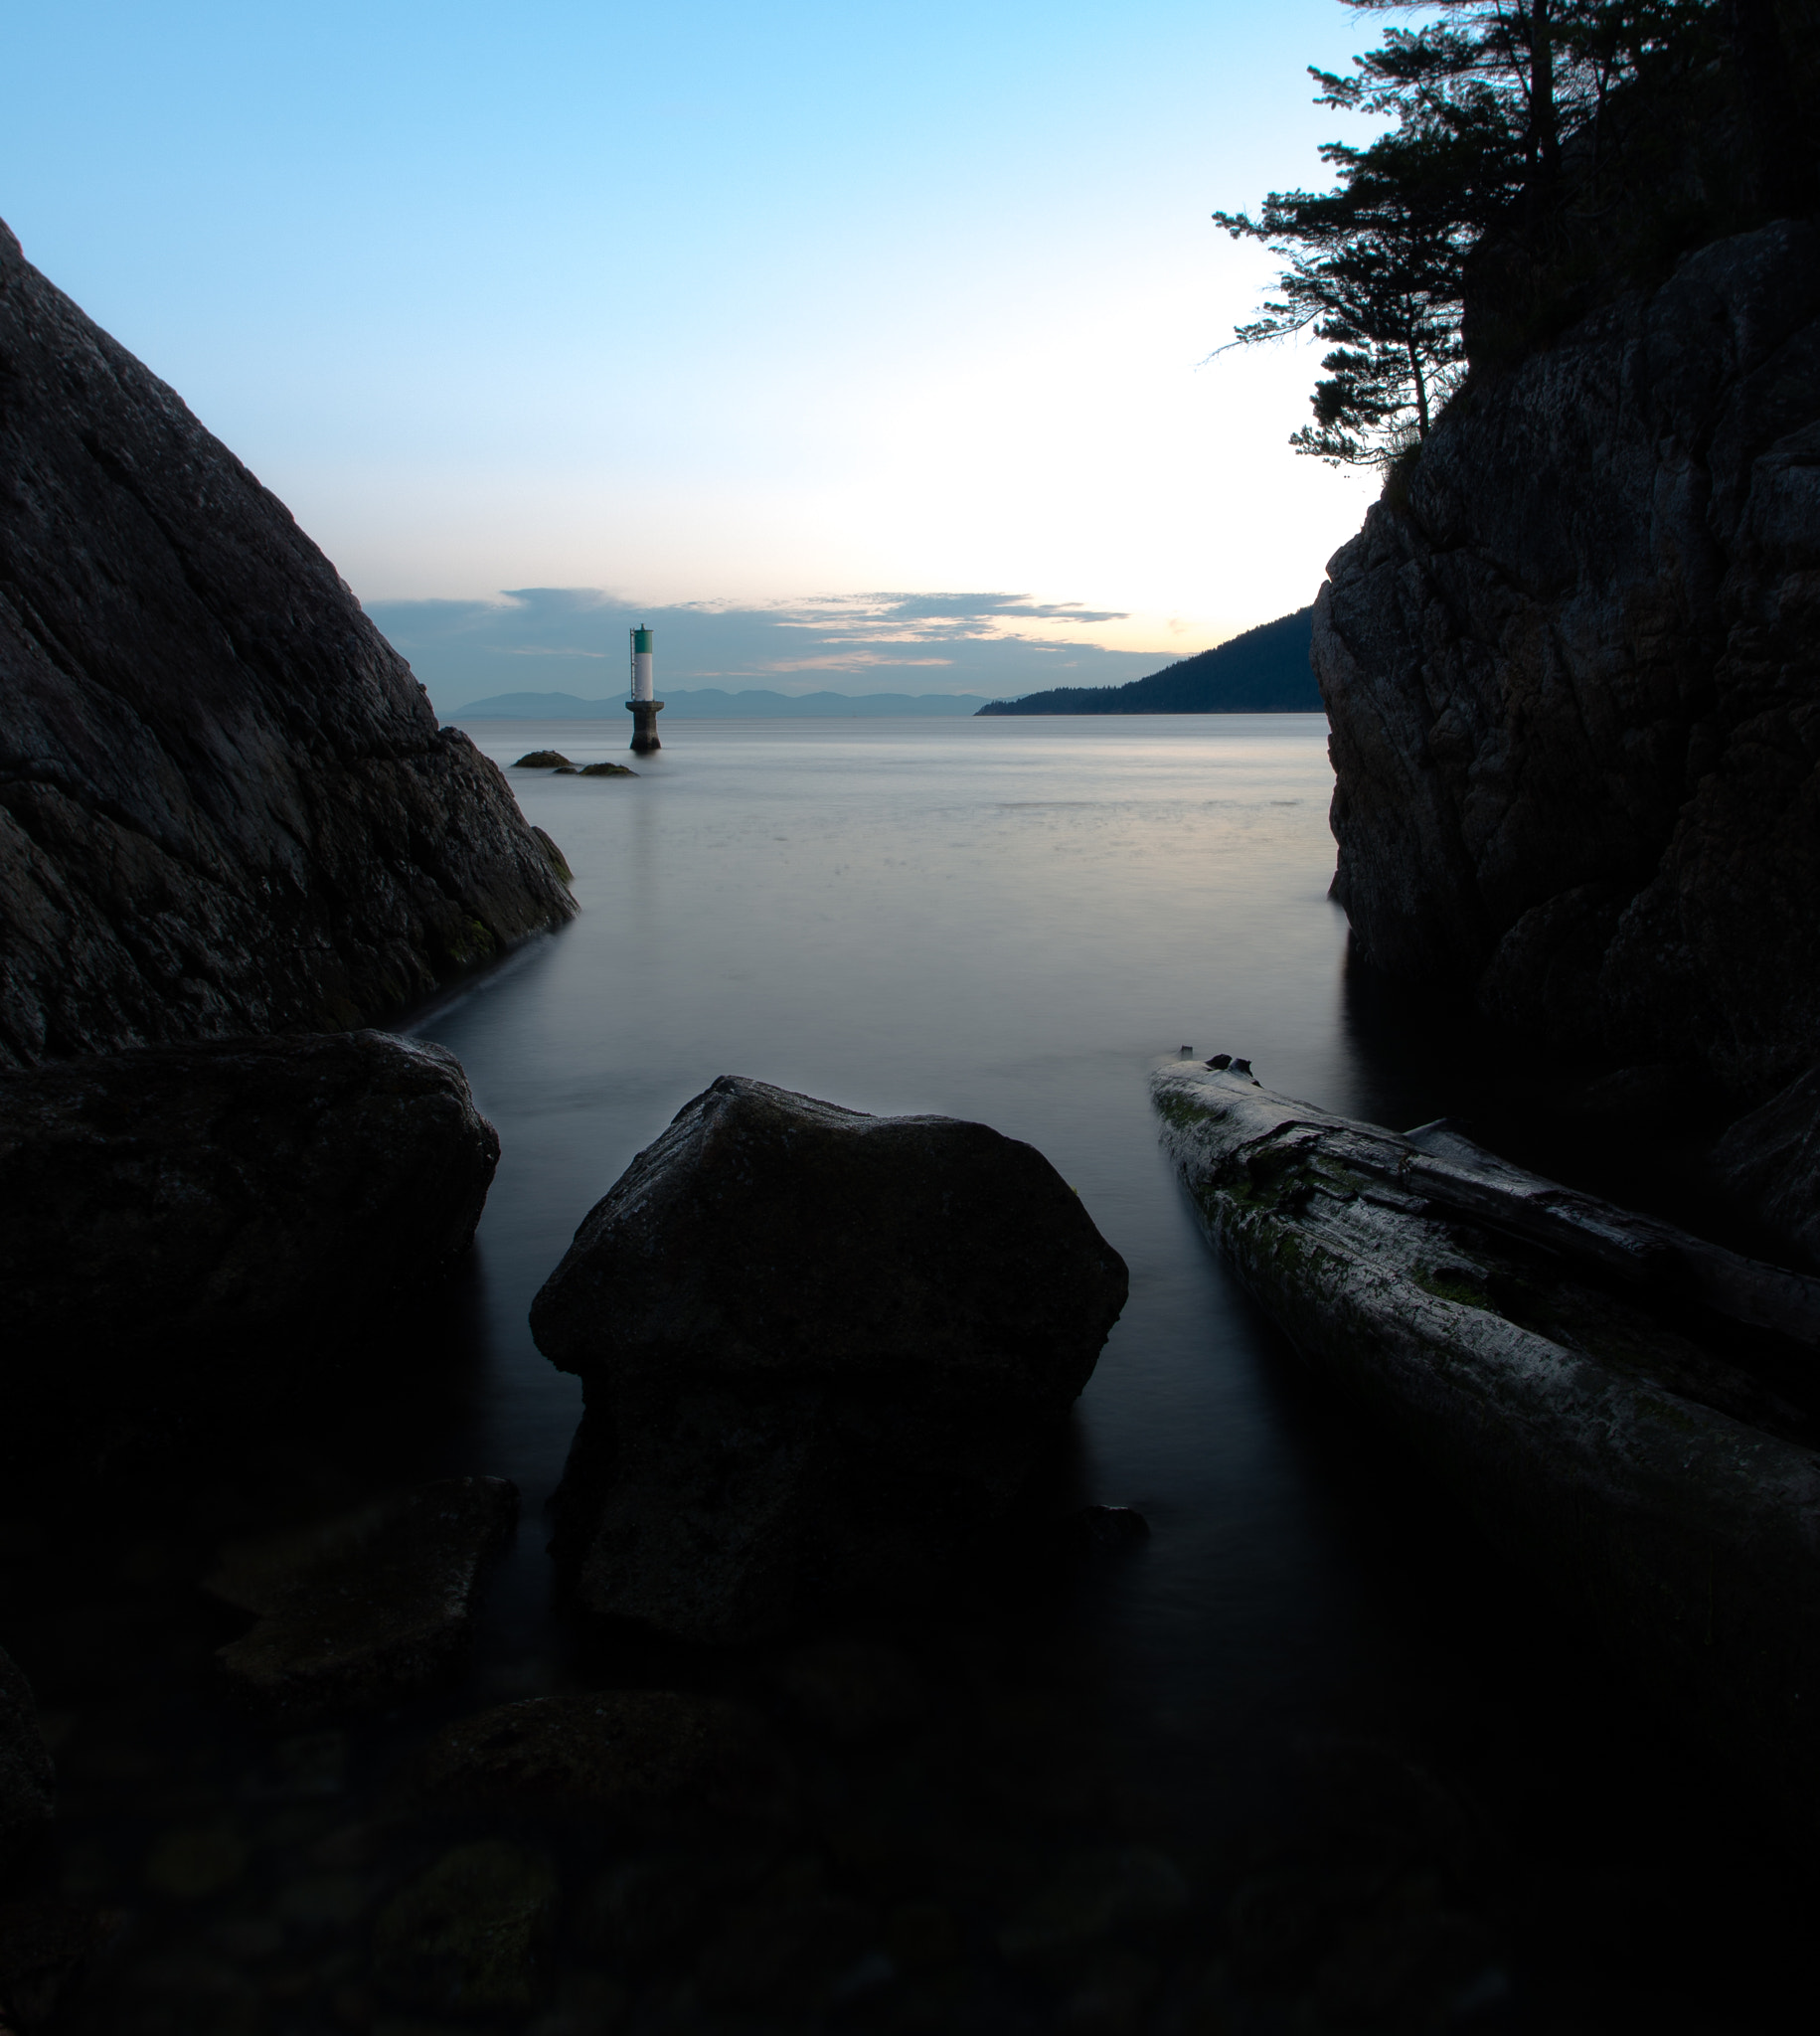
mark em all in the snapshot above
pixel 644 708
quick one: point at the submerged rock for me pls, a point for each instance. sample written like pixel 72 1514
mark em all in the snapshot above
pixel 657 1763
pixel 358 1609
pixel 540 760
pixel 822 1353
pixel 241 1198
pixel 224 802
pixel 473 1934
pixel 28 1782
pixel 607 771
pixel 1597 1388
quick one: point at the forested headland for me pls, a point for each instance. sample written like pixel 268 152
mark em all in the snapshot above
pixel 1264 671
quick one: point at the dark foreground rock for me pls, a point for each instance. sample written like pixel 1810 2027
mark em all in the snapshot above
pixel 1768 1162
pixel 821 1352
pixel 243 1197
pixel 636 1763
pixel 1604 1395
pixel 224 802
pixel 27 1780
pixel 473 1934
pixel 1572 668
pixel 356 1611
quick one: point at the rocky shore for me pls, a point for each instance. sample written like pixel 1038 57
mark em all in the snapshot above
pixel 1572 668
pixel 226 806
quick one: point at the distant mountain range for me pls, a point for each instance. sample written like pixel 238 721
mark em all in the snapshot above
pixel 1264 671
pixel 711 705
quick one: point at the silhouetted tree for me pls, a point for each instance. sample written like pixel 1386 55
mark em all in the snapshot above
pixel 1482 99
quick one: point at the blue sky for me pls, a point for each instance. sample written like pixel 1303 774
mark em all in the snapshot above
pixel 735 308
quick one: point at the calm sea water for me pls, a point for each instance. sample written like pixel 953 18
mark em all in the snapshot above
pixel 1310 1757
pixel 1010 920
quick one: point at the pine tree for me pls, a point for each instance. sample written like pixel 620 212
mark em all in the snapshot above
pixel 1483 101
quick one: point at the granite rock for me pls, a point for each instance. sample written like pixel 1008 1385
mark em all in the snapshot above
pixel 1572 668
pixel 239 1196
pixel 471 1936
pixel 225 804
pixel 1768 1162
pixel 637 1763
pixel 365 1606
pixel 822 1353
pixel 28 1782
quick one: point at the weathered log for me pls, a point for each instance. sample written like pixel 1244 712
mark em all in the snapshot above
pixel 1558 1363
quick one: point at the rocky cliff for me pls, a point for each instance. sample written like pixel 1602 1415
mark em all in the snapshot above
pixel 1572 668
pixel 224 802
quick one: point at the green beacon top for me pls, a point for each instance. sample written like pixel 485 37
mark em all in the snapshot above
pixel 641 642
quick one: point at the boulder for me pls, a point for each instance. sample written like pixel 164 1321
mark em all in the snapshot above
pixel 473 1934
pixel 28 1782
pixel 225 804
pixel 637 1763
pixel 241 1196
pixel 362 1608
pixel 821 1352
pixel 540 760
pixel 606 771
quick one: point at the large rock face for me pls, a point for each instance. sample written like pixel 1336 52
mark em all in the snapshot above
pixel 821 1352
pixel 225 804
pixel 28 1783
pixel 1574 677
pixel 237 1197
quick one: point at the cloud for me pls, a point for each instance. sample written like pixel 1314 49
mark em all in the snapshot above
pixel 993 645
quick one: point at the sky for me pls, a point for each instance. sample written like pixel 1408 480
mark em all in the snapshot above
pixel 885 329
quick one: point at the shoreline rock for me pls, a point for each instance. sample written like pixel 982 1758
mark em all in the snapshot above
pixel 226 806
pixel 365 1606
pixel 823 1354
pixel 171 1206
pixel 28 1779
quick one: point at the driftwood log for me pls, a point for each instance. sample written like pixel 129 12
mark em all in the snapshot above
pixel 1627 1411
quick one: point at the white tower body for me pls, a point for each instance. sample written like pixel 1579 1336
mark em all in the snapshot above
pixel 643 703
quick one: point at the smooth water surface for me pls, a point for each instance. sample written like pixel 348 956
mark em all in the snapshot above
pixel 1012 920
pixel 1310 1757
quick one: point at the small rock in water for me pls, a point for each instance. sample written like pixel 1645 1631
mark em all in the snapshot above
pixel 540 760
pixel 1221 1061
pixel 1185 1049
pixel 644 1759
pixel 355 1608
pixel 473 1936
pixel 607 771
pixel 565 770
